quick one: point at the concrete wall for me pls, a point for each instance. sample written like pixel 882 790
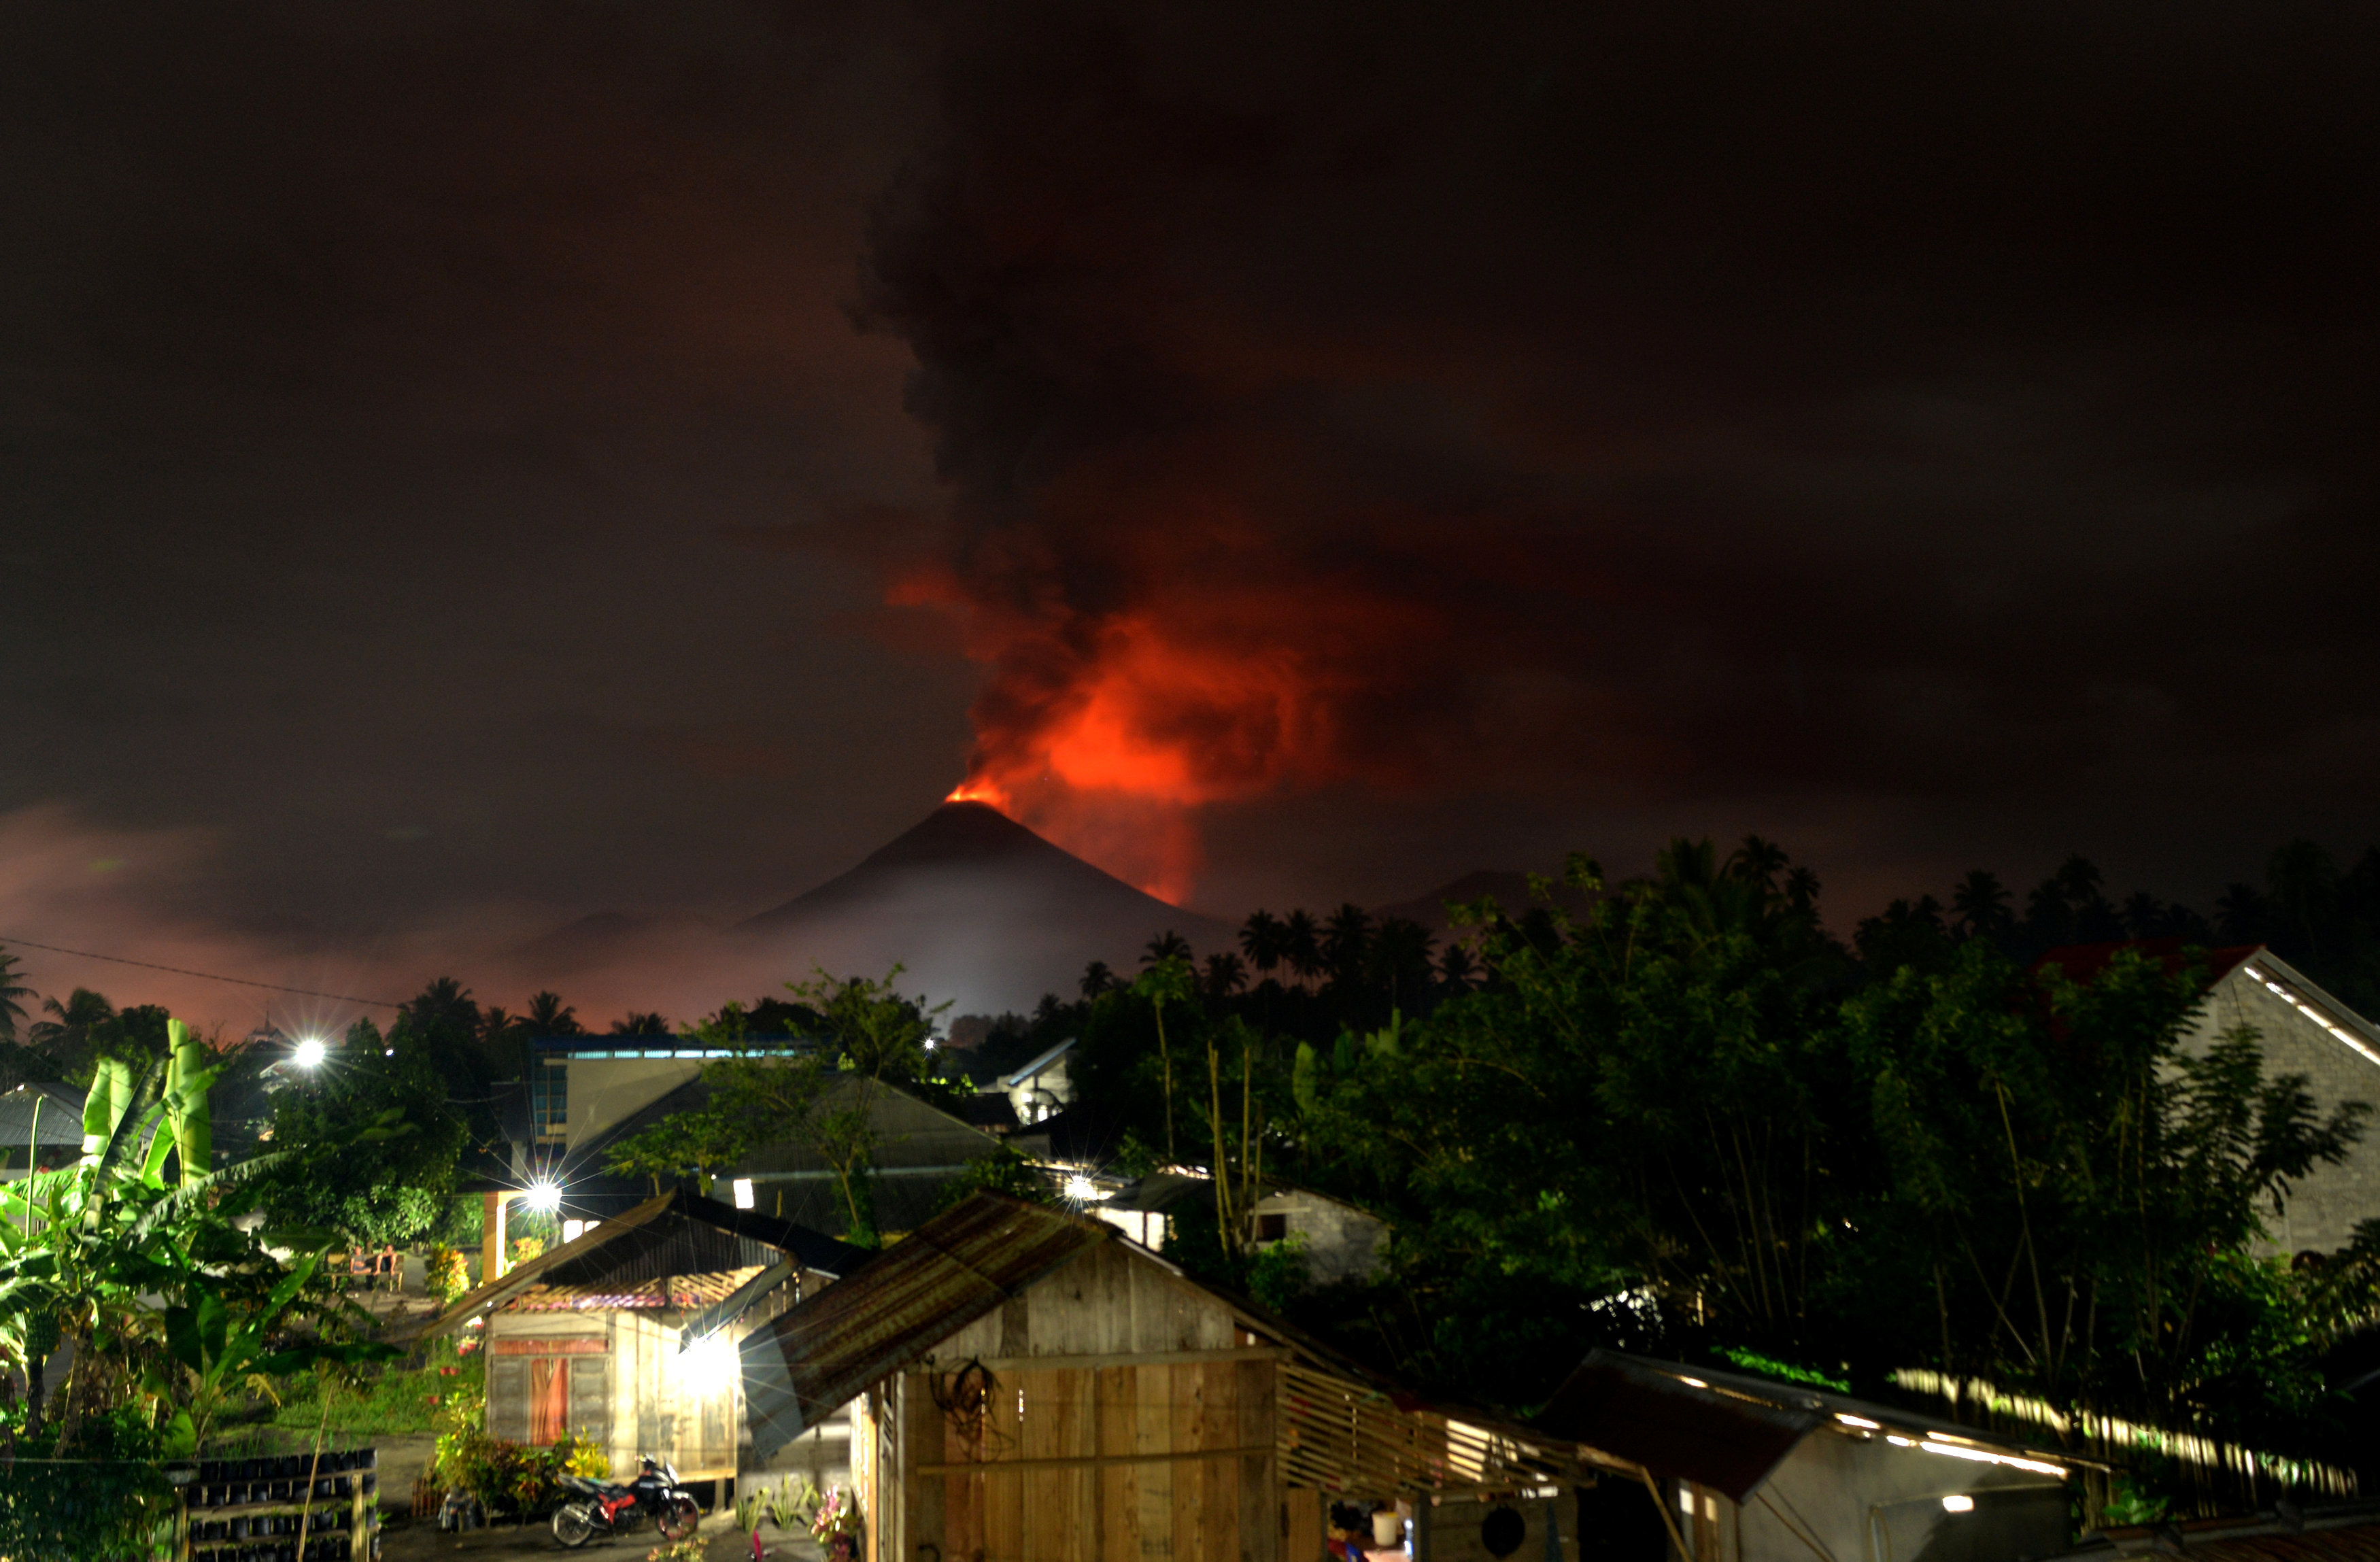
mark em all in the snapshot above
pixel 1342 1241
pixel 2321 1212
pixel 1864 1496
pixel 604 1091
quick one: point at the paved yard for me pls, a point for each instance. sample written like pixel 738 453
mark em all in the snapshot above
pixel 404 1542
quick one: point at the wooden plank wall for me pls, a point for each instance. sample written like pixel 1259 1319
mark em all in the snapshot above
pixel 1166 1464
pixel 1135 1421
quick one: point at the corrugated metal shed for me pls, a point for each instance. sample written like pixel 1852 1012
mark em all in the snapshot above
pixel 1673 1427
pixel 804 1365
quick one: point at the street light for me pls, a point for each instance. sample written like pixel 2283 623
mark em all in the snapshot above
pixel 543 1196
pixel 311 1053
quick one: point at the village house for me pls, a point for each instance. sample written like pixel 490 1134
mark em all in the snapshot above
pixel 626 1334
pixel 2303 1030
pixel 40 1129
pixel 1026 1382
pixel 1337 1240
pixel 1746 1470
pixel 590 1091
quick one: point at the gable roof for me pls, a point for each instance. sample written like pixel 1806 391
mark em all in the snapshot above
pixel 805 1365
pixel 1039 1065
pixel 1730 1432
pixel 61 1115
pixel 2254 962
pixel 677 1234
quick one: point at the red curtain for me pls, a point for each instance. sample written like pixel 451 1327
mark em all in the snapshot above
pixel 549 1398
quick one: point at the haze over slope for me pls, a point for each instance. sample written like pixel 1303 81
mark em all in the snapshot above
pixel 980 909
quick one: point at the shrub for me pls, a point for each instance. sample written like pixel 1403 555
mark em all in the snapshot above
pixel 448 1275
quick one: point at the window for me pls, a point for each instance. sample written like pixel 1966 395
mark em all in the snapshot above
pixel 1272 1227
pixel 548 1102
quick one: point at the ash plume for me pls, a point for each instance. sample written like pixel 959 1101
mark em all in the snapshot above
pixel 1709 401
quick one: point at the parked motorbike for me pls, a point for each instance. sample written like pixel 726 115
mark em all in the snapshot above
pixel 597 1508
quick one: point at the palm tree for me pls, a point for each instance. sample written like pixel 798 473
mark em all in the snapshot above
pixel 444 1003
pixel 1981 903
pixel 1225 974
pixel 1264 942
pixel 1302 945
pixel 11 1011
pixel 1168 945
pixel 1346 940
pixel 77 1020
pixel 1400 960
pixel 1456 969
pixel 640 1024
pixel 548 1015
pixel 1758 862
pixel 1097 978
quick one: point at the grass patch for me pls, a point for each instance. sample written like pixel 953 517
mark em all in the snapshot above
pixel 394 1402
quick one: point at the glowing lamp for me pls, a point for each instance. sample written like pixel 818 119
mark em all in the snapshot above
pixel 1081 1189
pixel 311 1053
pixel 711 1363
pixel 1958 1505
pixel 542 1197
pixel 743 1187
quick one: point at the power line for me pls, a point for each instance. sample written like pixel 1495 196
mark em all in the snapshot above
pixel 202 975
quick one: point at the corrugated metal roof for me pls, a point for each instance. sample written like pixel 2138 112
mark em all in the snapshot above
pixel 1633 1410
pixel 2359 1543
pixel 1726 1430
pixel 61 1115
pixel 805 1363
pixel 675 1235
pixel 672 1290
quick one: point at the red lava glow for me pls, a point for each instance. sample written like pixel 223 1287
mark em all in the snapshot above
pixel 979 792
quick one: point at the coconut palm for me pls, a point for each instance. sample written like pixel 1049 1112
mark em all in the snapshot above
pixel 1980 902
pixel 1346 941
pixel 548 1015
pixel 1264 942
pixel 1097 978
pixel 1225 974
pixel 11 992
pixel 74 1026
pixel 1302 945
pixel 1168 945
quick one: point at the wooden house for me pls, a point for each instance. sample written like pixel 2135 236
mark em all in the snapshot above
pixel 1027 1382
pixel 626 1334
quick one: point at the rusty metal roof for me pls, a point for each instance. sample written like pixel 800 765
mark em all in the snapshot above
pixel 671 1237
pixel 665 1290
pixel 805 1363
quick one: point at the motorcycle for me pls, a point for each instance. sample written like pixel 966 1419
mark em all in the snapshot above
pixel 596 1508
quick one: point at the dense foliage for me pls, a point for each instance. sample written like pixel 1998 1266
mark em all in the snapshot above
pixel 1676 1115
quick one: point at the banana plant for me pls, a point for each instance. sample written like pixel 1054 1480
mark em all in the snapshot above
pixel 149 1278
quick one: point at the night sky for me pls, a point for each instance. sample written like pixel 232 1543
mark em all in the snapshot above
pixel 466 466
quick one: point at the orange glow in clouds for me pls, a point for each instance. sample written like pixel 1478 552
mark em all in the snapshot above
pixel 1111 755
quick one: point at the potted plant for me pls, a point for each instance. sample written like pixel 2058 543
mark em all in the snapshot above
pixel 835 1525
